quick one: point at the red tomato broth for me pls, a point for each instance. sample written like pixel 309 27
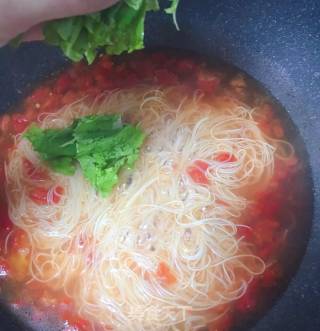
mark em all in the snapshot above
pixel 266 220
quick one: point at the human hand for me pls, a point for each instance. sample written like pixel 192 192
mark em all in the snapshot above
pixel 25 16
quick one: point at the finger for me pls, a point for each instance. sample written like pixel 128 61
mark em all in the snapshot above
pixel 35 33
pixel 47 9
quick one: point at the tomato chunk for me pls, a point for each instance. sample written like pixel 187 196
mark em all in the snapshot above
pixel 202 165
pixel 197 172
pixel 271 276
pixel 207 82
pixel 245 232
pixel 197 175
pixel 5 222
pixel 19 123
pixel 165 77
pixel 225 157
pixel 164 274
pixel 75 322
pixel 248 301
pixel 63 83
pixel 33 172
pixel 41 195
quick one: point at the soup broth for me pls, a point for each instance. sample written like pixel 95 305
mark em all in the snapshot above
pixel 193 237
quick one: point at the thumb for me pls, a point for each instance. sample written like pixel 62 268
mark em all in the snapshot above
pixel 50 9
pixel 19 16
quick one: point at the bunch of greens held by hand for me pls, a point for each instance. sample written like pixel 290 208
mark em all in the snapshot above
pixel 117 29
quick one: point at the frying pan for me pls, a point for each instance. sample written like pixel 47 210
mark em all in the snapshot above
pixel 277 43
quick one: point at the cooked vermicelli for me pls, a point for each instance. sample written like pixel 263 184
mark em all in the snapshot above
pixel 161 252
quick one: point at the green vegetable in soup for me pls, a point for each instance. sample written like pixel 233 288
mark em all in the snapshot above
pixel 101 144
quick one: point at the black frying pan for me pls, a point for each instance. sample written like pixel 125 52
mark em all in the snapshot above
pixel 276 42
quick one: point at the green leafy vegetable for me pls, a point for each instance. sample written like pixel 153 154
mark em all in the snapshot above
pixel 102 145
pixel 117 29
pixel 173 11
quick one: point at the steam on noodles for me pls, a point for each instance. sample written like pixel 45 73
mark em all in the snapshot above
pixel 106 253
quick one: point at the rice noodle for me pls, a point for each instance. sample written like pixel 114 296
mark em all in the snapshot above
pixel 104 253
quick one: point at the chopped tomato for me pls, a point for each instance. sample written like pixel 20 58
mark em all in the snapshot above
pixel 30 113
pixel 33 172
pixel 144 69
pixel 248 301
pixel 41 94
pixel 165 77
pixel 105 62
pixel 225 157
pixel 265 231
pixel 102 79
pixel 78 69
pixel 165 275
pixel 278 130
pixel 19 122
pixel 5 222
pixel 197 172
pixel 84 82
pixel 5 122
pixel 69 98
pixel 266 111
pixel 40 195
pixel 93 92
pixel 19 255
pixel 63 84
pixel 197 175
pixel 267 250
pixel 75 322
pixel 2 174
pixel 57 194
pixel 202 165
pixel 269 205
pixel 185 66
pixel 207 82
pixel 159 58
pixel 271 276
pixel 246 232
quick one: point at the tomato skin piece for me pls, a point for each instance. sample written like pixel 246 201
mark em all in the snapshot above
pixel 165 275
pixel 5 223
pixel 76 323
pixel 197 172
pixel 104 62
pixel 246 232
pixel 2 174
pixel 19 123
pixel 40 195
pixel 57 194
pixel 207 82
pixel 165 77
pixel 63 84
pixel 225 157
pixel 185 66
pixel 69 98
pixel 34 173
pixel 5 123
pixel 271 276
pixel 197 175
pixel 202 165
pixel 249 300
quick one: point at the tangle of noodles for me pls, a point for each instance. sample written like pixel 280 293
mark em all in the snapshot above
pixel 104 253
